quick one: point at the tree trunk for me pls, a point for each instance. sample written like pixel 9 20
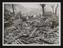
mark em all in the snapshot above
pixel 43 11
pixel 56 9
pixel 13 9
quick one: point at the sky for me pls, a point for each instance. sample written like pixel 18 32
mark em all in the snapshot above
pixel 47 7
pixel 31 5
pixel 35 6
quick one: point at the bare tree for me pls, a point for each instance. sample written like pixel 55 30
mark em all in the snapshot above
pixel 42 5
pixel 13 8
pixel 56 9
pixel 52 6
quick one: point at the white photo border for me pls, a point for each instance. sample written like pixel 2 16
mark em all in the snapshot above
pixel 30 44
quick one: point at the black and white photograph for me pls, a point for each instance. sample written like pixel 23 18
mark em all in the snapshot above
pixel 31 24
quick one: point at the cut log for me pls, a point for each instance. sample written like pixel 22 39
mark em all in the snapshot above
pixel 33 32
